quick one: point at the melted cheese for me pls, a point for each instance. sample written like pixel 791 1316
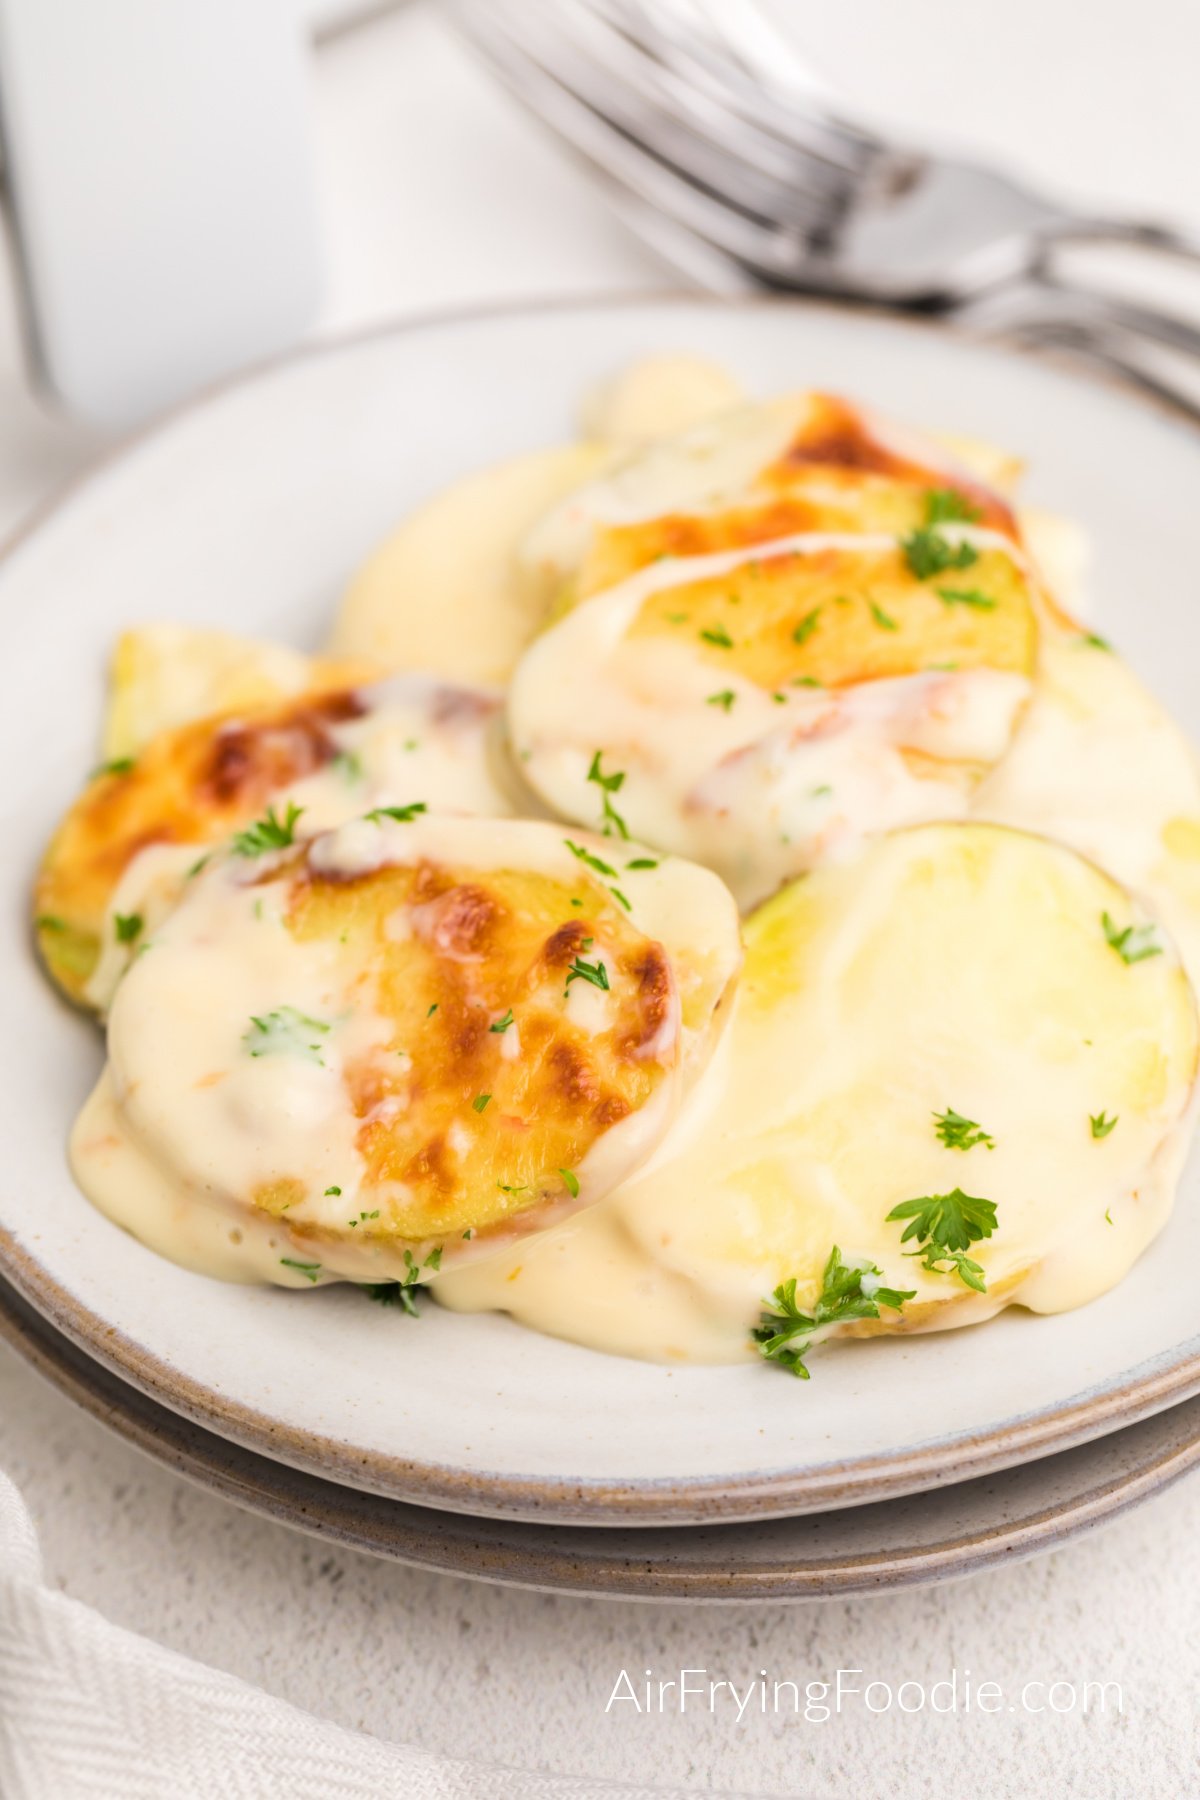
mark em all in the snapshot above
pixel 276 1061
pixel 760 781
pixel 948 967
pixel 125 847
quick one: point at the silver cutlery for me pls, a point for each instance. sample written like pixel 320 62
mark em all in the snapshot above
pixel 721 149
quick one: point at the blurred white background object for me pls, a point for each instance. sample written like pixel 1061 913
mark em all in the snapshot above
pixel 159 172
pixel 437 192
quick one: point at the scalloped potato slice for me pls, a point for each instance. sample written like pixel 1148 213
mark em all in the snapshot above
pixel 402 1043
pixel 118 857
pixel 765 708
pixel 798 463
pixel 957 968
pixel 167 675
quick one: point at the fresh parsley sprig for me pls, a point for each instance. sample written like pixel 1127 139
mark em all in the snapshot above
pixel 286 1031
pixel 958 1133
pixel 1135 943
pixel 404 815
pixel 945 1226
pixel 609 785
pixel 928 553
pixel 595 972
pixel 268 833
pixel 944 506
pixel 848 1291
pixel 402 1293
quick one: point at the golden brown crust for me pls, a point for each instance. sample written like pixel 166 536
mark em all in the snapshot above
pixel 193 785
pixel 461 1125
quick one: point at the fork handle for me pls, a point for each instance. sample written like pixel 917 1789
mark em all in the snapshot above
pixel 1142 234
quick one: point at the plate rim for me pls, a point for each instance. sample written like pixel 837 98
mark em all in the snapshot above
pixel 575 1561
pixel 653 1501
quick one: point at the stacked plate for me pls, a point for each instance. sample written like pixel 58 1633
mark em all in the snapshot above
pixel 465 1442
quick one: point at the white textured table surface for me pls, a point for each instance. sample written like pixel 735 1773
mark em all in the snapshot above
pixel 437 193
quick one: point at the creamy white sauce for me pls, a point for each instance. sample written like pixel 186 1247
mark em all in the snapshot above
pixel 647 1271
pixel 229 1042
pixel 419 738
pixel 764 787
pixel 791 1149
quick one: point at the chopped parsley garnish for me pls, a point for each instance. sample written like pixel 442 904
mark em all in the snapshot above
pixel 362 1217
pixel 622 898
pixel 595 972
pixel 117 765
pixel 127 926
pixel 642 862
pixel 967 597
pixel 928 553
pixel 779 699
pixel 199 864
pixel 468 1232
pixel 333 1190
pixel 309 1270
pixel 1092 640
pixel 505 1189
pixel 609 785
pixel 945 1226
pixel 724 699
pixel 1135 943
pixel 402 1293
pixel 804 630
pixel 884 620
pixel 944 506
pixel 718 636
pixel 807 681
pixel 570 1182
pixel 480 1101
pixel 52 922
pixel 1108 1215
pixel 1101 1124
pixel 393 1293
pixel 958 1133
pixel 403 814
pixel 585 856
pixel 432 1010
pixel 286 1031
pixel 820 793
pixel 502 1024
pixel 269 833
pixel 785 1333
pixel 349 764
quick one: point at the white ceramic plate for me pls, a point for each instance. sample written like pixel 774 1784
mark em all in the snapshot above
pixel 249 511
pixel 915 1542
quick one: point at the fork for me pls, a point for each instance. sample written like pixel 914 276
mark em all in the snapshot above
pixel 722 149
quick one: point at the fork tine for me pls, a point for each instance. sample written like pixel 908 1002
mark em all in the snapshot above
pixel 710 65
pixel 677 126
pixel 657 93
pixel 769 253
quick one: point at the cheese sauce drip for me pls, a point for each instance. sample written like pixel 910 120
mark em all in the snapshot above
pixel 1009 1006
pixel 411 1037
pixel 758 781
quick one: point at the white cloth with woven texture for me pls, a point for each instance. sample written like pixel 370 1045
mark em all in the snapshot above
pixel 91 1712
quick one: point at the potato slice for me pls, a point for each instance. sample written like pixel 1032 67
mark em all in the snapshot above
pixel 954 985
pixel 166 675
pixel 764 710
pixel 409 1039
pixel 444 591
pixel 118 857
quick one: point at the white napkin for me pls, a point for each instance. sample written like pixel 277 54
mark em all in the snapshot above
pixel 91 1712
